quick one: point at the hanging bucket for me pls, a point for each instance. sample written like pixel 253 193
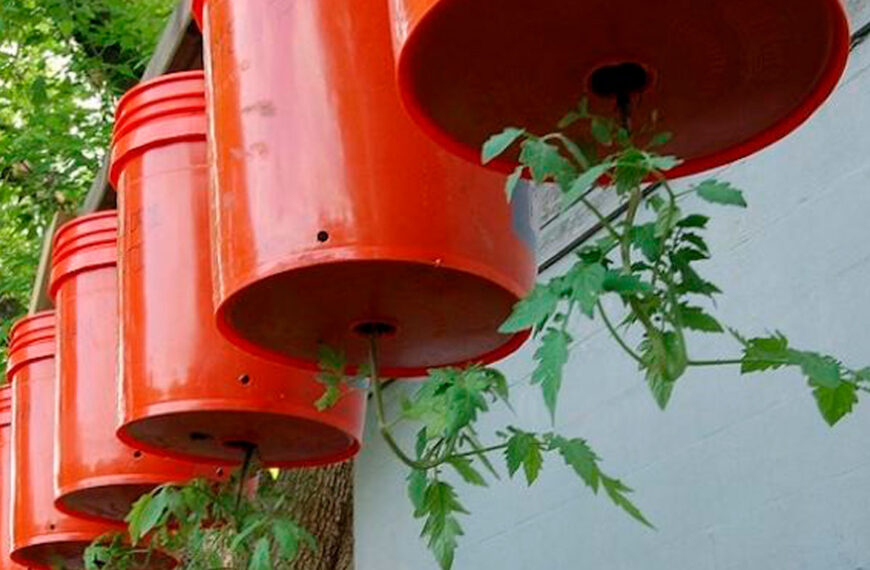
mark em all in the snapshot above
pixel 334 217
pixel 97 475
pixel 726 77
pixel 40 535
pixel 6 562
pixel 186 391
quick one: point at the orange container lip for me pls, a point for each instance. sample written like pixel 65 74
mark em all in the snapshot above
pixel 733 77
pixel 187 393
pixel 331 210
pixel 170 108
pixel 31 339
pixel 5 407
pixel 97 476
pixel 87 242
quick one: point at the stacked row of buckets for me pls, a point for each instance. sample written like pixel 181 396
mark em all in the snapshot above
pixel 283 199
pixel 261 214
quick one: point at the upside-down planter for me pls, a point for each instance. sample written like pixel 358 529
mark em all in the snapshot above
pixel 186 391
pixel 6 478
pixel 97 475
pixel 41 535
pixel 333 215
pixel 727 77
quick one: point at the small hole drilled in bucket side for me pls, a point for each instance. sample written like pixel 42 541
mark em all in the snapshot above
pixel 244 379
pixel 322 236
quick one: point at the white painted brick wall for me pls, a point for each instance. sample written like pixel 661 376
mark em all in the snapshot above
pixel 740 472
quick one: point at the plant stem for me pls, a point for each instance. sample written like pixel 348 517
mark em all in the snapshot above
pixel 625 248
pixel 383 425
pixel 605 223
pixel 615 334
pixel 482 451
pixel 719 362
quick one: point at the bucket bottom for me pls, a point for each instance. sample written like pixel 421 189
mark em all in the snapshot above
pixel 436 315
pixel 103 503
pixel 222 436
pixel 66 550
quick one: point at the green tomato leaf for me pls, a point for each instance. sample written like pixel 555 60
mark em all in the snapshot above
pixel 551 357
pixel 693 221
pixel 465 467
pixel 697 319
pixel 835 403
pixel 511 183
pixel 720 193
pixel 661 163
pixel 146 513
pixel 546 162
pixel 580 457
pixel 765 353
pixel 819 369
pixel 659 139
pixel 524 450
pixel 441 526
pixel 664 358
pixel 625 284
pixel 602 130
pixel 497 144
pixel 587 282
pixel 261 559
pixel 584 182
pixel 417 483
pixel 285 531
pixel 617 491
pixel 251 525
pixel 569 119
pixel 643 237
pixel 533 311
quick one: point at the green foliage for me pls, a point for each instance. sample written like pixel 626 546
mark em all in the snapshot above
pixel 62 65
pixel 835 387
pixel 244 522
pixel 446 409
pixel 651 265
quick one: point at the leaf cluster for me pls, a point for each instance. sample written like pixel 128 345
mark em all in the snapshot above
pixel 243 522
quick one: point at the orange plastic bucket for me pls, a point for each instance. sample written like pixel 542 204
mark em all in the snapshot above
pixel 40 535
pixel 726 77
pixel 6 562
pixel 186 391
pixel 97 475
pixel 333 214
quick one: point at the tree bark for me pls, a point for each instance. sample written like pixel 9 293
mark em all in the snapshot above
pixel 323 504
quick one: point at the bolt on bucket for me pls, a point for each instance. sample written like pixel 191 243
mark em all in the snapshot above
pixel 726 77
pixel 334 217
pixel 40 535
pixel 97 475
pixel 186 391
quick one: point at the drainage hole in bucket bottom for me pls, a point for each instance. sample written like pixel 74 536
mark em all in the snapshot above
pixel 374 328
pixel 199 436
pixel 619 80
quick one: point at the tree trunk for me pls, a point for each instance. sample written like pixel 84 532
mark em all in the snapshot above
pixel 323 504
